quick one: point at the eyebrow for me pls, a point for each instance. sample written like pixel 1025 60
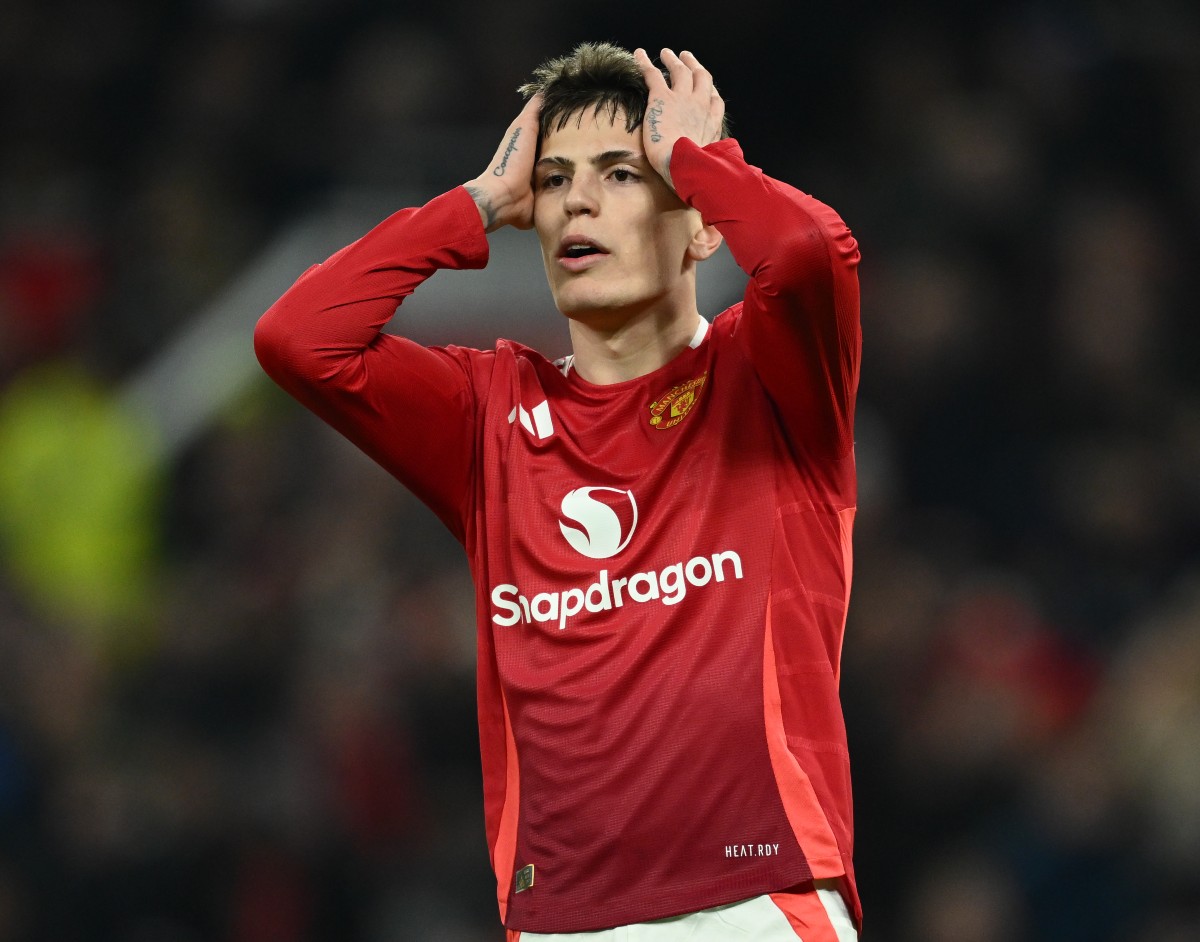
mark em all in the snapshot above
pixel 599 160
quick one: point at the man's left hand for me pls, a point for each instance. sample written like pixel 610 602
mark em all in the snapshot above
pixel 690 107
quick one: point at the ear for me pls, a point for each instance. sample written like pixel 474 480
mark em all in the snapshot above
pixel 705 241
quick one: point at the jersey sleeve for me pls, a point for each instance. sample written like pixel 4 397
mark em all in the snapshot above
pixel 800 315
pixel 411 408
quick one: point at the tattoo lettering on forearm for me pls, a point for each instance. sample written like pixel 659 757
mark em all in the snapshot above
pixel 652 115
pixel 508 152
pixel 485 205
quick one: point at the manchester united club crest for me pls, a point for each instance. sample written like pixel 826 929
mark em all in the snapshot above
pixel 673 406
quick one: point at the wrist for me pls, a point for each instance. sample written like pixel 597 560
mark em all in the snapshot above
pixel 495 203
pixel 485 201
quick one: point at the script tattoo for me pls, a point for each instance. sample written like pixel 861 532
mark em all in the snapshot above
pixel 508 152
pixel 484 203
pixel 652 116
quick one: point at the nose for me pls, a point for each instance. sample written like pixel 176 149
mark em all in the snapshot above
pixel 582 197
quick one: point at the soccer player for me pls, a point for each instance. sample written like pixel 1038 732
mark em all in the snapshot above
pixel 658 525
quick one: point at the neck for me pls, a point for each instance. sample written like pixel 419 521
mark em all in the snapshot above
pixel 606 354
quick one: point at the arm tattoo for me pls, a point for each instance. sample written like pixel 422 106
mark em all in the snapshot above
pixel 484 203
pixel 508 152
pixel 652 116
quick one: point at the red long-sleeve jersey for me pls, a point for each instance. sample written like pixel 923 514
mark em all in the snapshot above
pixel 662 565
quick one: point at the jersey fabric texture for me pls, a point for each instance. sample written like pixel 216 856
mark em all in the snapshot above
pixel 662 565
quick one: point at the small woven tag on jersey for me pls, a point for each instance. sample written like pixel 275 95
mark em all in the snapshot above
pixel 524 879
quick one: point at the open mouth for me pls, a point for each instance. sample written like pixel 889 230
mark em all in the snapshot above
pixel 579 251
pixel 574 246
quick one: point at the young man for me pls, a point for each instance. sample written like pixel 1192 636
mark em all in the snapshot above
pixel 658 525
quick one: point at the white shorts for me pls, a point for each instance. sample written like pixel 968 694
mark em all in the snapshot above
pixel 816 916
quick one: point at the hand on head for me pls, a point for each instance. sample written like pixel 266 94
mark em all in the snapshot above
pixel 690 107
pixel 504 192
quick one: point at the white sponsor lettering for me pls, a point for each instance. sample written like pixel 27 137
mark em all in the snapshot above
pixel 667 586
pixel 751 850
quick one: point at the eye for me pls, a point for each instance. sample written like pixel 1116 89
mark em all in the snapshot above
pixel 622 175
pixel 552 180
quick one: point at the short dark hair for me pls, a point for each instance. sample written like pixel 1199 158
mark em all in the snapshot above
pixel 602 76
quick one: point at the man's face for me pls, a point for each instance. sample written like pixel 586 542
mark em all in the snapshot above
pixel 614 236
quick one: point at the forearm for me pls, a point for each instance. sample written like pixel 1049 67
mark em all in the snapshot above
pixel 778 235
pixel 801 308
pixel 330 318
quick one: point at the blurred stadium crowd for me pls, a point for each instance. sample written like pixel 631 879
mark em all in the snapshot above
pixel 236 690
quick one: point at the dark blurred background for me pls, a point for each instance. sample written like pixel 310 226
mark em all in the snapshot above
pixel 236 659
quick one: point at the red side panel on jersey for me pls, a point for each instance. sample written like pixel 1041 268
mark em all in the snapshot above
pixel 799 797
pixel 504 850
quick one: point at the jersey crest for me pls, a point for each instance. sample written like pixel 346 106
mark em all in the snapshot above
pixel 673 406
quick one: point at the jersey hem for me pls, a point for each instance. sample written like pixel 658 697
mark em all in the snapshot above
pixel 670 905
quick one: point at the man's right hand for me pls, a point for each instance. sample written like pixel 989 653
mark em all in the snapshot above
pixel 504 192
